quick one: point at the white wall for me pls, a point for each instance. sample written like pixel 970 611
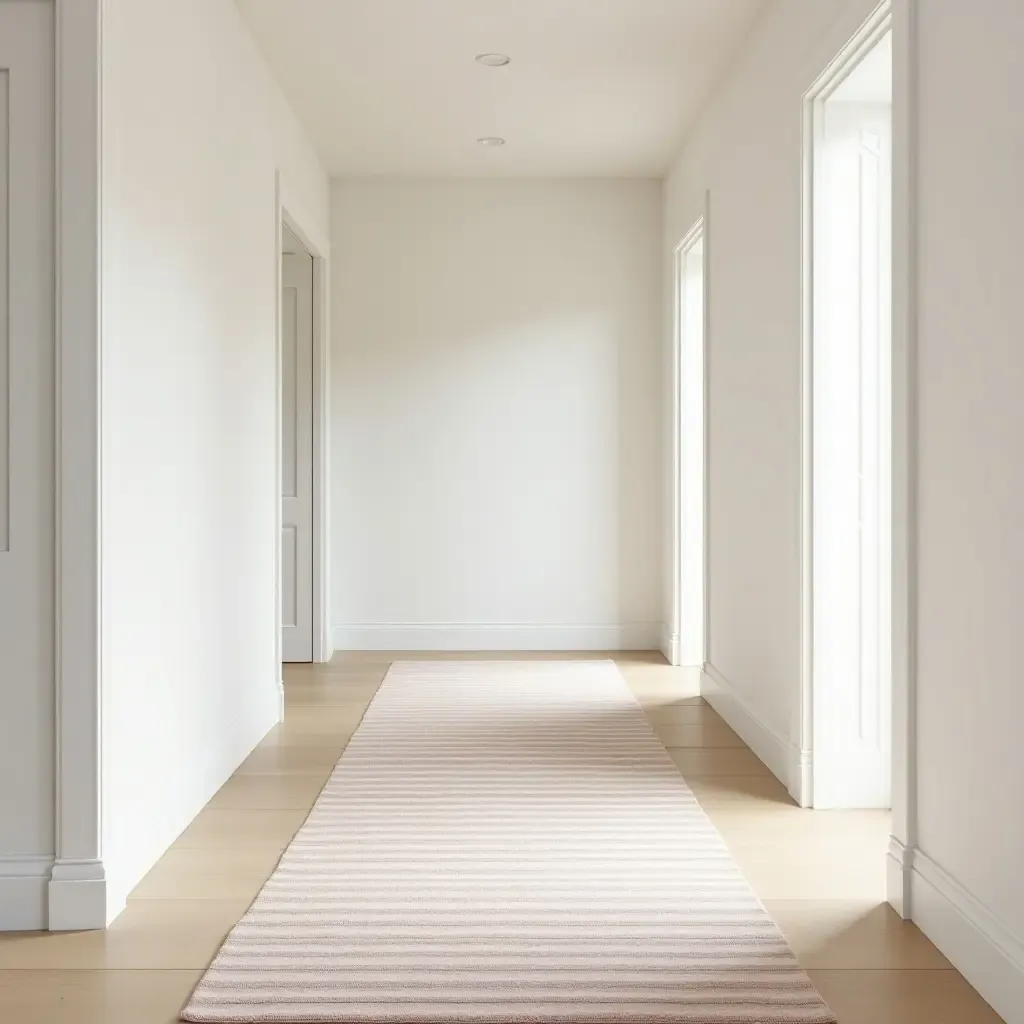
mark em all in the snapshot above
pixel 966 891
pixel 746 149
pixel 971 489
pixel 194 131
pixel 495 437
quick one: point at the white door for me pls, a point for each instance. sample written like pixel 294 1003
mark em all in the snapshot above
pixel 296 452
pixel 852 444
pixel 26 433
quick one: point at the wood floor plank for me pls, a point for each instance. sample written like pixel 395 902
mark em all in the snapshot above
pixel 902 997
pixel 229 828
pixel 853 934
pixel 94 997
pixel 151 934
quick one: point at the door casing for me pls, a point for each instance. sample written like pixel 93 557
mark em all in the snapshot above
pixel 899 17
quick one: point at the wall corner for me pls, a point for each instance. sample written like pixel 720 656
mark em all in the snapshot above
pixel 899 863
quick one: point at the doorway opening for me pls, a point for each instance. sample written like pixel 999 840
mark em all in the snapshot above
pixel 848 359
pixel 297 484
pixel 689 641
pixel 301 535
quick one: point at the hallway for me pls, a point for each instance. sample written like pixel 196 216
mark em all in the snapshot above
pixel 820 875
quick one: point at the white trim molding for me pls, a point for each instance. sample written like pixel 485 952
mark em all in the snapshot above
pixel 81 898
pixel 689 646
pixel 800 780
pixel 323 642
pixel 979 943
pixel 669 644
pixel 24 882
pixel 77 890
pixel 519 636
pixel 899 862
pixel 903 602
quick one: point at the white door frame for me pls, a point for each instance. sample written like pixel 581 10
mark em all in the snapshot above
pixel 77 893
pixel 899 17
pixel 291 212
pixel 686 645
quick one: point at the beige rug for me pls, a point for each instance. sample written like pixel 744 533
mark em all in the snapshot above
pixel 506 843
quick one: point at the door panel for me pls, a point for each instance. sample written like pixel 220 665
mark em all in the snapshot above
pixel 297 455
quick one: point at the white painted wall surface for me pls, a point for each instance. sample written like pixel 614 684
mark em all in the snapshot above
pixel 26 462
pixel 495 438
pixel 194 131
pixel 971 485
pixel 746 149
pixel 966 892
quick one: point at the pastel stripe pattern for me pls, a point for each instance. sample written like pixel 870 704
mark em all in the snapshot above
pixel 506 843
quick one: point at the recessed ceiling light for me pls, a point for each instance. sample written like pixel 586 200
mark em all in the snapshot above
pixel 491 140
pixel 493 60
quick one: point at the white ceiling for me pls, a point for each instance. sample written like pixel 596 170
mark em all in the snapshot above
pixel 595 87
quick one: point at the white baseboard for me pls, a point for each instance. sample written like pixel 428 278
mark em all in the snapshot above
pixel 801 776
pixel 780 757
pixel 899 862
pixel 495 637
pixel 669 644
pixel 23 899
pixel 78 896
pixel 988 953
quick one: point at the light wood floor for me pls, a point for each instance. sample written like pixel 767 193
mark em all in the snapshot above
pixel 820 874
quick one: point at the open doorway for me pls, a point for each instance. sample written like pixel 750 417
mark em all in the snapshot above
pixel 297 305
pixel 689 640
pixel 301 498
pixel 848 427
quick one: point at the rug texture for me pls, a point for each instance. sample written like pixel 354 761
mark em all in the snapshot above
pixel 506 843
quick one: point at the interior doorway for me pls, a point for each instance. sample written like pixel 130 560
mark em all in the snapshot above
pixel 848 427
pixel 297 481
pixel 301 535
pixel 689 640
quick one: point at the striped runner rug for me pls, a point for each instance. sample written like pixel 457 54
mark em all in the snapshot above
pixel 505 843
